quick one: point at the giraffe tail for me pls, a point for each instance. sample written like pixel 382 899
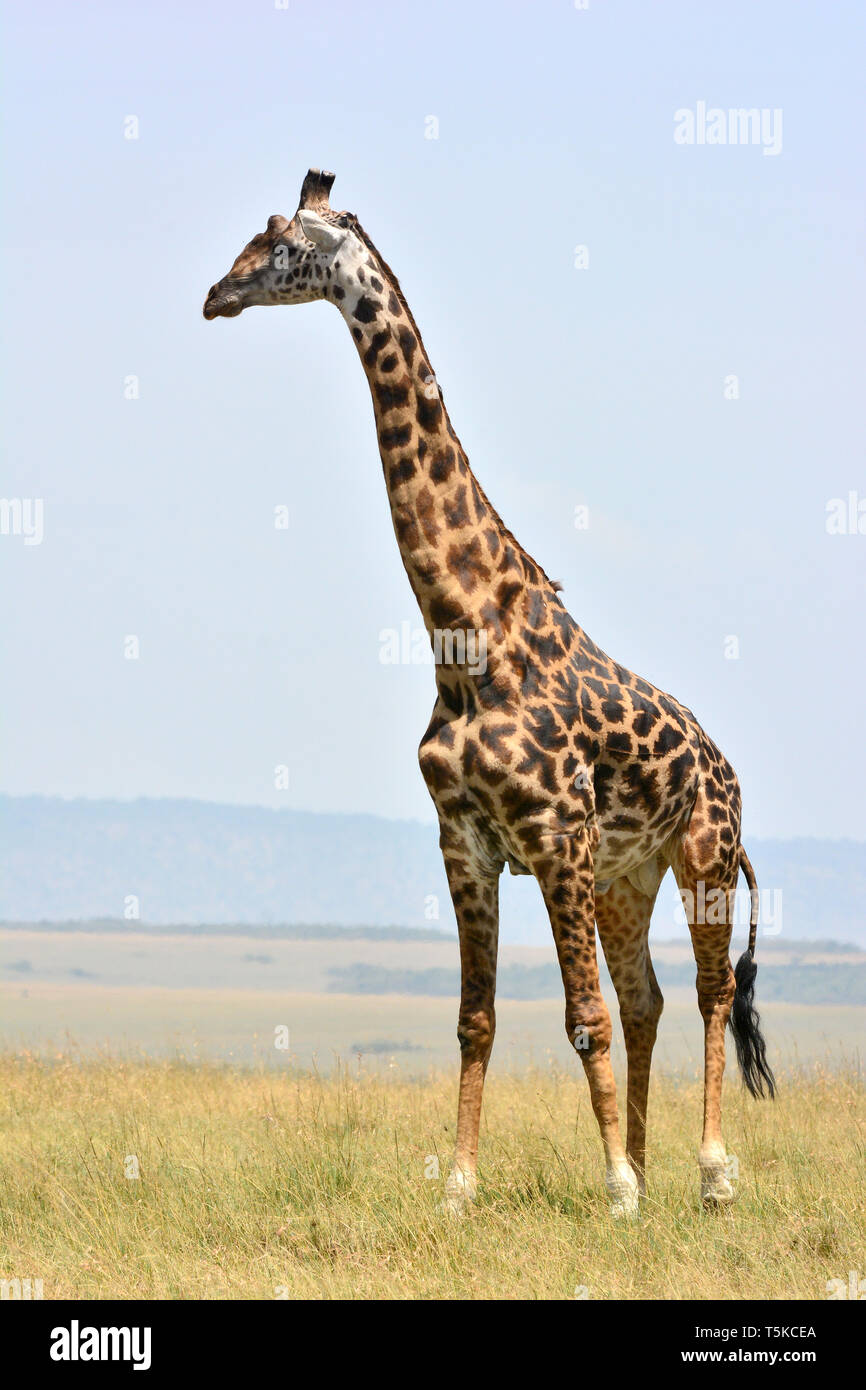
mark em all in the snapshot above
pixel 745 1021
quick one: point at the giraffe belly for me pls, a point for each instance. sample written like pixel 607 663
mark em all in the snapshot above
pixel 616 856
pixel 633 828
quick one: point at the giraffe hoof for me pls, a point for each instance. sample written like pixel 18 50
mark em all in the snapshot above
pixel 624 1193
pixel 716 1189
pixel 460 1192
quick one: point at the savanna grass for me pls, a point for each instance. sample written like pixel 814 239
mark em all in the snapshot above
pixel 252 1185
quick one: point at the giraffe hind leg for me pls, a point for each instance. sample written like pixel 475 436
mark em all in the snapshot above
pixel 706 874
pixel 622 916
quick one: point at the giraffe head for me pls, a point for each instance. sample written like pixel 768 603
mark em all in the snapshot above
pixel 290 262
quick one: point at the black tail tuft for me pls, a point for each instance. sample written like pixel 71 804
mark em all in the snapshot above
pixel 745 1025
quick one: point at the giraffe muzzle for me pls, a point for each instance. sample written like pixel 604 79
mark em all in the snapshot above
pixel 222 306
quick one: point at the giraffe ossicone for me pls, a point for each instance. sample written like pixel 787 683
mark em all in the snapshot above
pixel 553 758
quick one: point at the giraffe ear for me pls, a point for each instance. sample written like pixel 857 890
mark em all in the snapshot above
pixel 320 232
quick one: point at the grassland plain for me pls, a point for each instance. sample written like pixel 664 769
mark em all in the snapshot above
pixel 219 997
pixel 257 1185
pixel 238 1026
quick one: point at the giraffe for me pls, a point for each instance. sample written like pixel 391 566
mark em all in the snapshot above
pixel 547 756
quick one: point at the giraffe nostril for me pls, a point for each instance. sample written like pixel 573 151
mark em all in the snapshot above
pixel 212 303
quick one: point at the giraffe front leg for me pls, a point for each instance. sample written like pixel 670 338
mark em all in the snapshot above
pixel 475 894
pixel 566 880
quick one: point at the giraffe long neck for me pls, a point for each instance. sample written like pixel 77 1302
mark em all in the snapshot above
pixel 465 568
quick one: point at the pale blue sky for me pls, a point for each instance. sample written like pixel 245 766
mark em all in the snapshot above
pixel 601 387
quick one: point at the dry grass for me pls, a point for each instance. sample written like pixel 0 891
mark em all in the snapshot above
pixel 258 1186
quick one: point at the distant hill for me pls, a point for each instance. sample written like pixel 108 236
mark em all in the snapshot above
pixel 810 983
pixel 191 861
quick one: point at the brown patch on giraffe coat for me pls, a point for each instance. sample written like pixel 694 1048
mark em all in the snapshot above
pixel 428 413
pixel 455 509
pixel 427 515
pixel 442 466
pixel 391 396
pixel 403 471
pixel 408 344
pixel 377 342
pixel 395 438
pixel 466 563
pixel 366 309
